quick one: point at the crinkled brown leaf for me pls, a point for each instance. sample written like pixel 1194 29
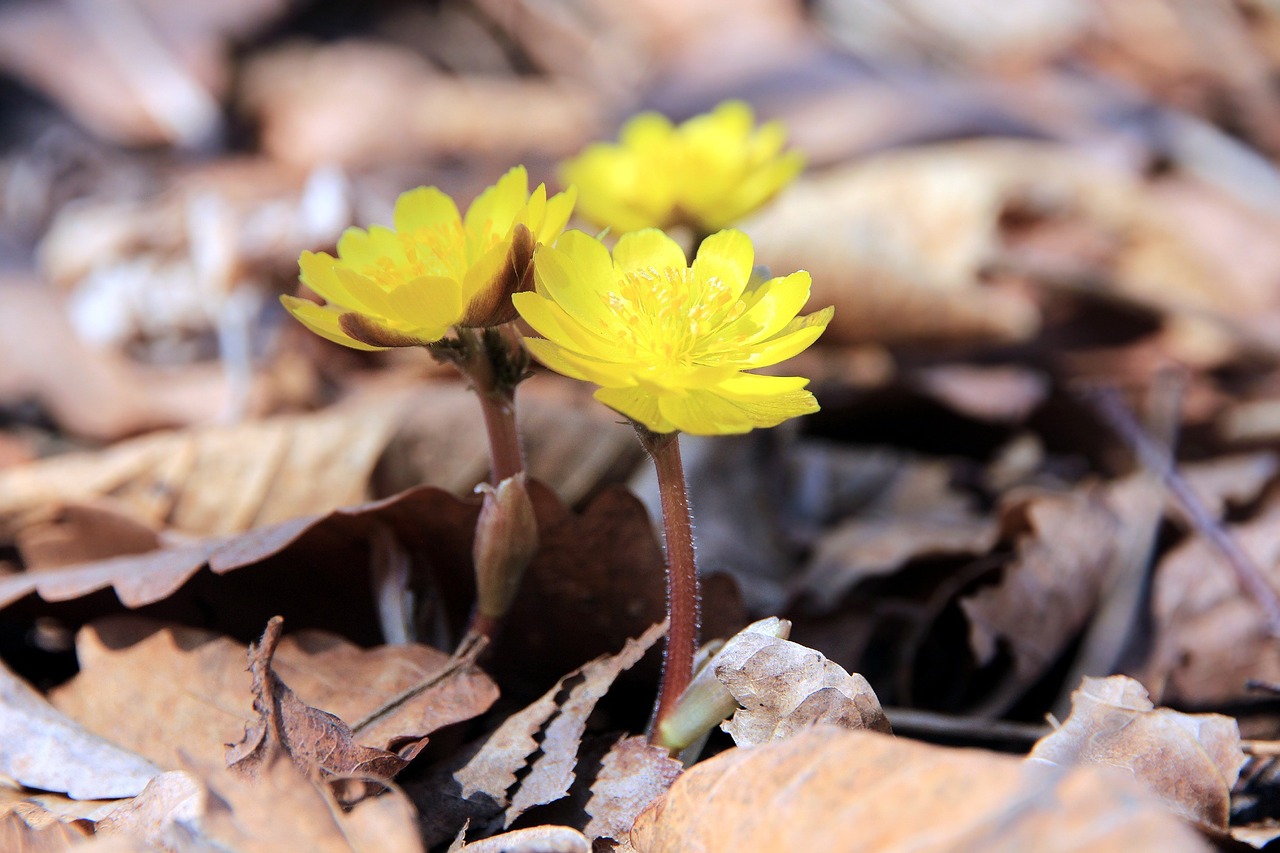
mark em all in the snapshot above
pixel 828 789
pixel 632 774
pixel 1190 761
pixel 560 722
pixel 785 688
pixel 535 839
pixel 41 748
pixel 18 835
pixel 311 738
pixel 81 533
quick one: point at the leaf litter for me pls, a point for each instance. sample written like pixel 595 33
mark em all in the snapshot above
pixel 957 532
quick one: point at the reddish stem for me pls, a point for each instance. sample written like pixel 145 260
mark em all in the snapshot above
pixel 505 457
pixel 682 571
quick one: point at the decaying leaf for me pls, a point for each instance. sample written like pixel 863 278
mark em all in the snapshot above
pixel 1052 586
pixel 311 738
pixel 785 688
pixel 178 694
pixel 828 788
pixel 18 835
pixel 1190 761
pixel 632 774
pixel 1209 638
pixel 551 759
pixel 41 748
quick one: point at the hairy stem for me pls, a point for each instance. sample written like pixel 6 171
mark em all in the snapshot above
pixel 682 571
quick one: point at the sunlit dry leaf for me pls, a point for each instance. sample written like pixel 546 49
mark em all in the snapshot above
pixel 174 693
pixel 218 480
pixel 827 788
pixel 1065 547
pixel 535 839
pixel 785 688
pixel 632 774
pixel 1004 394
pixel 1209 637
pixel 169 802
pixel 346 103
pixel 41 748
pixel 311 738
pixel 1190 761
pixel 493 770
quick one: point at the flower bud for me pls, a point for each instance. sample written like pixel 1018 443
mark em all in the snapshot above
pixel 506 539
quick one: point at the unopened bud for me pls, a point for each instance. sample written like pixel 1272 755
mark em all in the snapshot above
pixel 506 539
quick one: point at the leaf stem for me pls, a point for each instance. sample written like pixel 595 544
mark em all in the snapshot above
pixel 682 571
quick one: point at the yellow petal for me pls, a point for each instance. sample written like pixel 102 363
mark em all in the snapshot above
pixel 795 338
pixel 637 405
pixel 575 365
pixel 771 305
pixel 712 413
pixel 323 320
pixel 646 130
pixel 487 271
pixel 728 256
pixel 743 386
pixel 574 273
pixel 554 323
pixel 559 209
pixel 355 248
pixel 495 209
pixel 316 269
pixel 424 207
pixel 428 305
pixel 650 249
pixel 367 295
pixel 704 413
pixel 535 211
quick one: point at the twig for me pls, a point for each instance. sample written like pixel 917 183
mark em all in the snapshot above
pixel 929 725
pixel 1253 582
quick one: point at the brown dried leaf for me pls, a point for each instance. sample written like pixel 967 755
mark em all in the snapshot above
pixel 1065 550
pixel 785 688
pixel 213 808
pixel 492 771
pixel 81 533
pixel 632 774
pixel 1209 638
pixel 311 738
pixel 41 748
pixel 1189 761
pixel 826 786
pixel 173 693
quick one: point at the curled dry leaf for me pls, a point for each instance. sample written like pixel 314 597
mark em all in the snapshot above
pixel 17 834
pixel 1065 550
pixel 785 688
pixel 632 774
pixel 175 694
pixel 314 740
pixel 1190 761
pixel 827 787
pixel 41 748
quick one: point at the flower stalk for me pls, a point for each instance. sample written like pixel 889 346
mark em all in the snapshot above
pixel 683 599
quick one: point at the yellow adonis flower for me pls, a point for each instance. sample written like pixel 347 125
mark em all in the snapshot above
pixel 706 173
pixel 669 344
pixel 407 285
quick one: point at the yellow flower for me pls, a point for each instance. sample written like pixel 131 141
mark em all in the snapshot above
pixel 669 343
pixel 707 173
pixel 407 285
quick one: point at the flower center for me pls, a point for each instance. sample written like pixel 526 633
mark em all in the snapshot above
pixel 441 250
pixel 669 317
